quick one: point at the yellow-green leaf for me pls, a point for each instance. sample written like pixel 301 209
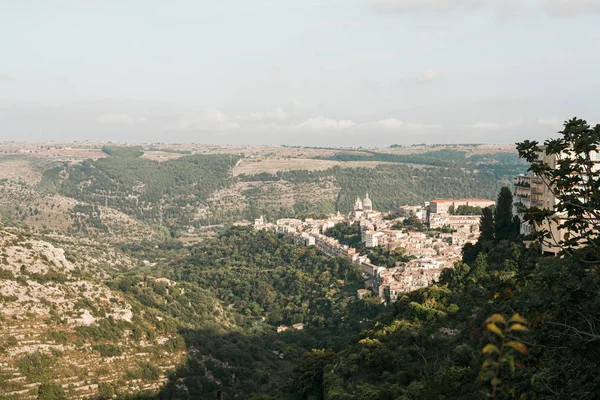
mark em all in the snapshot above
pixel 518 328
pixel 511 362
pixel 518 318
pixel 520 347
pixel 496 319
pixel 490 348
pixel 494 328
pixel 490 362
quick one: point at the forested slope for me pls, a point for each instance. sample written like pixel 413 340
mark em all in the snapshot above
pixel 196 190
pixel 167 193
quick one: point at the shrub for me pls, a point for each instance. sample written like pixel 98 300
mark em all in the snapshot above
pixel 105 391
pixel 108 350
pixel 34 365
pixel 51 391
pixel 6 274
pixel 149 372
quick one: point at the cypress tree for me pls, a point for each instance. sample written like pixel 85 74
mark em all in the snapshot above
pixel 486 226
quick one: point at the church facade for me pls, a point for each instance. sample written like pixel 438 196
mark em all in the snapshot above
pixel 363 208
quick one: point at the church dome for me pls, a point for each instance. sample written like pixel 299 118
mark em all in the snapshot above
pixel 367 203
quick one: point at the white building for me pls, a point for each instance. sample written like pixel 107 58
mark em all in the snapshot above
pixel 374 239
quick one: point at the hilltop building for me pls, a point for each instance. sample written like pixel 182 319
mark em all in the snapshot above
pixel 444 206
pixel 440 214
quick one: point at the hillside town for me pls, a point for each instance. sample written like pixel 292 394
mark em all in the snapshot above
pixel 429 250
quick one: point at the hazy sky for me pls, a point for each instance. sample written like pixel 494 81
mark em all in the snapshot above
pixel 337 72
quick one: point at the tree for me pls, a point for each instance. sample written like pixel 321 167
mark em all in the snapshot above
pixel 308 374
pixel 568 167
pixel 105 391
pixel 487 225
pixel 51 391
pixel 504 224
pixel 469 253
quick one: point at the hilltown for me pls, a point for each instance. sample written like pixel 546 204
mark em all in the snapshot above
pixel 430 251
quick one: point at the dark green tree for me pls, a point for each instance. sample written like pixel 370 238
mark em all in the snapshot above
pixel 504 224
pixel 487 224
pixel 469 253
pixel 308 375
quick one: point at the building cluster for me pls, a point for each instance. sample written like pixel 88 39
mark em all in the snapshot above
pixel 430 252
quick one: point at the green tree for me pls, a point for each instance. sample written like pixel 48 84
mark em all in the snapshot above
pixel 487 224
pixel 308 375
pixel 569 171
pixel 504 222
pixel 105 391
pixel 51 391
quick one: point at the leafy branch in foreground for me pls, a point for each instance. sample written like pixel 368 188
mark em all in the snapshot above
pixel 501 354
pixel 568 167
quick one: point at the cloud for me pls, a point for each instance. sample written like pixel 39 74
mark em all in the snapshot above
pixel 6 78
pixel 120 118
pixel 277 114
pixel 503 7
pixel 486 125
pixel 426 76
pixel 570 7
pixel 210 119
pixel 424 6
pixel 552 121
pixel 321 123
pixel 393 123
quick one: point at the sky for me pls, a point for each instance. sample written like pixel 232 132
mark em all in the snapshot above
pixel 341 73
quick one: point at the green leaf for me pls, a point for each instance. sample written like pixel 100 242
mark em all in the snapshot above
pixel 489 349
pixel 520 347
pixel 490 362
pixel 511 363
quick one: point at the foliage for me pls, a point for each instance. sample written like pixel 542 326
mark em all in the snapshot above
pixel 34 365
pixel 139 186
pixel 307 377
pixel 346 233
pixel 51 391
pixel 500 356
pixel 428 346
pixel 262 275
pixel 465 209
pixel 384 258
pixel 574 180
pixel 106 391
pixel 108 350
pixel 389 185
pixel 487 224
pixel 440 158
pixel 506 227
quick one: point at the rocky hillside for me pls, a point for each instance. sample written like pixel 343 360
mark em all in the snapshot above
pixel 60 323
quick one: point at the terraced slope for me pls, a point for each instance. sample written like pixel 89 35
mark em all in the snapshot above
pixel 60 323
